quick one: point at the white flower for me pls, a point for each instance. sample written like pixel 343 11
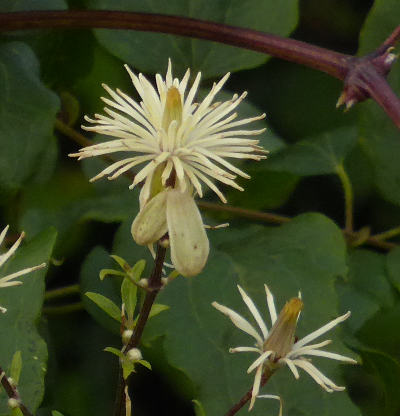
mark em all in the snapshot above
pixel 278 346
pixel 181 145
pixel 9 280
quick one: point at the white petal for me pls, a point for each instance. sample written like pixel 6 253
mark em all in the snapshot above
pixel 273 396
pixel 260 360
pixel 331 355
pixel 188 239
pixel 239 321
pixel 291 366
pixel 326 383
pixel 271 304
pixel 322 330
pixel 254 311
pixel 151 222
pixel 256 386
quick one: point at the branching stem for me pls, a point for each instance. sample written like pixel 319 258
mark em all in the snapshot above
pixel 363 77
pixel 151 294
pixel 12 392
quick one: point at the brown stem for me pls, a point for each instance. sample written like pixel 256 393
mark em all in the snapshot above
pixel 153 289
pixel 333 63
pixel 338 65
pixel 12 393
pixel 247 396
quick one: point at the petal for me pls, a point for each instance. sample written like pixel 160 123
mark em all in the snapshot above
pixel 151 222
pixel 254 311
pixel 188 239
pixel 322 330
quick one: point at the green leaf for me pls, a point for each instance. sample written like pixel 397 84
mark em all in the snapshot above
pixel 18 331
pixel 380 138
pixel 110 272
pixel 129 297
pixel 107 305
pixel 115 351
pixel 393 267
pixel 211 58
pixel 27 115
pixel 198 408
pixel 56 413
pixel 145 363
pixel 366 289
pixel 378 379
pixel 319 155
pixel 97 260
pixel 16 367
pixel 307 254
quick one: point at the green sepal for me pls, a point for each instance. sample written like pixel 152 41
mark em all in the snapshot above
pixel 107 305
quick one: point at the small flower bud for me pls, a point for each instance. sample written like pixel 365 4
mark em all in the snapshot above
pixel 144 283
pixel 12 382
pixel 126 336
pixel 134 354
pixel 13 403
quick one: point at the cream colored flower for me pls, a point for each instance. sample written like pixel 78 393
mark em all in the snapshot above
pixel 9 280
pixel 278 346
pixel 181 145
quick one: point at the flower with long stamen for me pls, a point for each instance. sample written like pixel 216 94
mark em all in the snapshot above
pixel 180 145
pixel 9 280
pixel 278 346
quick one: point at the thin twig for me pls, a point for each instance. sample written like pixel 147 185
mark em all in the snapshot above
pixel 247 396
pixel 12 393
pixel 333 63
pixel 348 197
pixel 61 292
pixel 154 287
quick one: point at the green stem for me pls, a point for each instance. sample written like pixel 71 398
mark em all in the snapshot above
pixel 62 310
pixel 348 197
pixel 61 292
pixel 388 234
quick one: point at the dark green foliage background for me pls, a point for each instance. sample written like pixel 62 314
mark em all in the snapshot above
pixel 47 75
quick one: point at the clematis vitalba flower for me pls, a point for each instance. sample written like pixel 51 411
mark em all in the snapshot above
pixel 9 280
pixel 182 145
pixel 278 346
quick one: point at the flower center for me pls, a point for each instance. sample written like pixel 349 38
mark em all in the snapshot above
pixel 281 337
pixel 173 108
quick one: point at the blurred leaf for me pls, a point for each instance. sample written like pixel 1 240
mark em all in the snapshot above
pixel 380 22
pixel 378 381
pixel 198 408
pixel 380 332
pixel 380 137
pixel 107 305
pixel 16 367
pixel 55 413
pixel 366 289
pixel 27 114
pixel 211 58
pixel 307 254
pixel 18 330
pixel 96 260
pixel 393 267
pixel 319 155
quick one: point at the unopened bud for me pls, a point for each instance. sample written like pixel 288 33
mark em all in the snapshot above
pixel 126 336
pixel 12 382
pixel 144 283
pixel 13 403
pixel 134 354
